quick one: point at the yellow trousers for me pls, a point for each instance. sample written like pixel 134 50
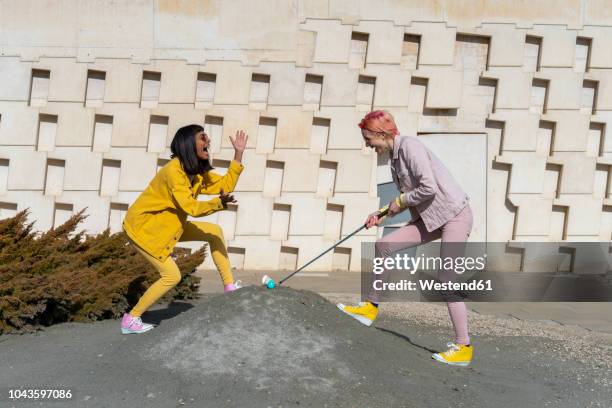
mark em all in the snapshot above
pixel 169 271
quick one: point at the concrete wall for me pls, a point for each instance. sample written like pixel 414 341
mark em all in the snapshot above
pixel 514 96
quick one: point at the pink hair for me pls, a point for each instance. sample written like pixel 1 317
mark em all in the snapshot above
pixel 379 121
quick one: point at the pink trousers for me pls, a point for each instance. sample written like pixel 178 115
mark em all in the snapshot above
pixel 455 230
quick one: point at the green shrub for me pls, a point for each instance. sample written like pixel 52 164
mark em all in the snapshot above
pixel 60 275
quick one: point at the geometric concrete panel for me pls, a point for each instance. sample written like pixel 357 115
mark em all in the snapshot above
pixel 301 169
pixel 571 130
pixel 116 215
pixel 293 127
pixel 565 87
pixel 18 124
pixel 355 209
pixel 385 41
pixel 507 45
pixel 137 167
pixel 578 172
pixel 444 86
pixel 123 80
pixel 365 93
pixel 82 168
pixel 286 83
pixel 558 45
pixel 39 88
pixel 359 47
pixel 340 84
pixel 94 96
pixel 280 222
pixel 520 129
pixel 205 90
pixel 47 132
pixel 332 41
pixel 533 215
pixel 437 42
pixel 213 126
pixel 254 214
pixel 55 177
pixel 599 53
pixel 4 174
pixel 527 176
pixel 232 82
pixel 254 252
pixel 111 174
pixel 341 259
pixel 410 51
pixel 74 123
pixel 260 88
pixel 27 167
pixel 354 170
pixel 308 247
pixel 130 124
pixel 68 79
pixel 327 179
pixel 537 97
pixel 273 179
pixel 102 134
pixel 151 85
pixel 513 87
pixel 179 81
pixel 158 133
pixel 288 258
pixel 266 134
pixel 312 91
pixel 588 97
pixel 581 56
pixel 333 222
pixel 584 215
pixel 531 58
pixel 392 83
pixel 343 130
pixel 319 135
pixel 15 77
pixel 305 203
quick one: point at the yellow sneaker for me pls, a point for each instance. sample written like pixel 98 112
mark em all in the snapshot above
pixel 365 313
pixel 457 354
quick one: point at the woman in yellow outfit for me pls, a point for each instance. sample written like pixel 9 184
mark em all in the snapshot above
pixel 158 218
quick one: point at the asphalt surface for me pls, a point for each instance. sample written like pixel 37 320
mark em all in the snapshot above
pixel 290 348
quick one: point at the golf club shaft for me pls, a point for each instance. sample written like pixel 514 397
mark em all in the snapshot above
pixel 382 214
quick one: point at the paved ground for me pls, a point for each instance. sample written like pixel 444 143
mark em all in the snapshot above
pixel 288 348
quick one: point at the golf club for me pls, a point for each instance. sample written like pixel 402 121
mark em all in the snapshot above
pixel 271 284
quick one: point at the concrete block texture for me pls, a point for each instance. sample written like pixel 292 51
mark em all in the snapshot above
pixel 515 99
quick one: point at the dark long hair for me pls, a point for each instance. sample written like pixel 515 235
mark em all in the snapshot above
pixel 183 146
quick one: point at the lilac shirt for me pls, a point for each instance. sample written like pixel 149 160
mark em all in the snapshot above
pixel 428 185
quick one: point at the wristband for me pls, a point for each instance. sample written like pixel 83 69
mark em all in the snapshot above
pixel 398 201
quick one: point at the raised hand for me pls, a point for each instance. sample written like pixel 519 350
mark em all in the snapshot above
pixel 239 141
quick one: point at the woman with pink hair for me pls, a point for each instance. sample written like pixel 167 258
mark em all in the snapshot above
pixel 440 209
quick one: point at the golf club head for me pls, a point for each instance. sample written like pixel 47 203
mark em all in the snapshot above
pixel 268 282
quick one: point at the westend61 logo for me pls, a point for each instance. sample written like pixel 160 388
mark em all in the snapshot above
pixel 413 264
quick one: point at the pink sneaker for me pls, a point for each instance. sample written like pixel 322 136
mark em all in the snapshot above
pixel 134 325
pixel 230 287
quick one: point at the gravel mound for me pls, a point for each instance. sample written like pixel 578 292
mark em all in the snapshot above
pixel 290 347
